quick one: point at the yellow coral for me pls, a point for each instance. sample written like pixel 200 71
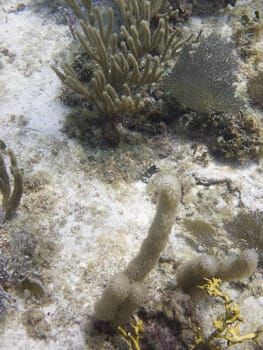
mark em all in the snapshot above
pixel 226 325
pixel 133 339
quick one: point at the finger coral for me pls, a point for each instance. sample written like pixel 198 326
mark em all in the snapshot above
pixel 193 272
pixel 126 291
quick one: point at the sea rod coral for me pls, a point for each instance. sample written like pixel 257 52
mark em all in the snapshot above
pixel 10 197
pixel 124 61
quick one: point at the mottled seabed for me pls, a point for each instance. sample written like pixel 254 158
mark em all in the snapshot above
pixel 87 211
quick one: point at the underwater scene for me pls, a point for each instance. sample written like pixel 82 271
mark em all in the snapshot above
pixel 131 174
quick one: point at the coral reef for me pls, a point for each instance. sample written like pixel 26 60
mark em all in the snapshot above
pixel 203 83
pixel 124 61
pixel 238 136
pixel 168 323
pixel 231 136
pixel 126 291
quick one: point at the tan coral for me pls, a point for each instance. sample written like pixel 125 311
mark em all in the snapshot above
pixel 124 61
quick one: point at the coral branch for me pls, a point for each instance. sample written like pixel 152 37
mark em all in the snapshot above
pixel 10 197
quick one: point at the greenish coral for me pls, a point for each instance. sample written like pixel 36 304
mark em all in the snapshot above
pixel 124 61
pixel 203 77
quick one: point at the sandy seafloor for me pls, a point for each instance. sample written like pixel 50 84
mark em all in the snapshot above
pixel 91 228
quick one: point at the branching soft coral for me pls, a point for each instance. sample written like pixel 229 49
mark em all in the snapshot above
pixel 226 325
pixel 10 197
